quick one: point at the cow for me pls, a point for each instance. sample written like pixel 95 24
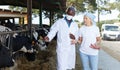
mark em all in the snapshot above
pixel 38 40
pixel 3 37
pixel 8 24
pixel 5 57
pixel 19 43
pixel 22 44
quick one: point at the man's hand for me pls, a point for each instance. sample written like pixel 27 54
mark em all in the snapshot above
pixel 46 39
pixel 72 36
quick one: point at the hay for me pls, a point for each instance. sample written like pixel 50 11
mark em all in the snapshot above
pixel 45 60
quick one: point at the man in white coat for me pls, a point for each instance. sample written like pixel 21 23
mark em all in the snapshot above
pixel 67 33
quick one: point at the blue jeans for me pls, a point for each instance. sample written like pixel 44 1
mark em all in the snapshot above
pixel 90 62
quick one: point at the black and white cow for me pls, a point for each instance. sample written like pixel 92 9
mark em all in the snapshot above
pixel 38 38
pixel 21 43
pixel 5 57
pixel 3 37
pixel 24 44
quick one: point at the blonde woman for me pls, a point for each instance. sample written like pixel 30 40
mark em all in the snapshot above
pixel 89 38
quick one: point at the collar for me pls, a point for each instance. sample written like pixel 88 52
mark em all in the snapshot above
pixel 68 21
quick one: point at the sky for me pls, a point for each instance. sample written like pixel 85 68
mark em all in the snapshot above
pixel 79 17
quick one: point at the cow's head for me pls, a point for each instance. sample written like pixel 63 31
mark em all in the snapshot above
pixel 38 41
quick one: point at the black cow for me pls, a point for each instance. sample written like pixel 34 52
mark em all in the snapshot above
pixel 8 24
pixel 5 57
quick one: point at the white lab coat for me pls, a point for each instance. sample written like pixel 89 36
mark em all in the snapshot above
pixel 65 50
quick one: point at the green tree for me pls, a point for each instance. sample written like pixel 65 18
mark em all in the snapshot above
pixel 83 5
pixel 115 6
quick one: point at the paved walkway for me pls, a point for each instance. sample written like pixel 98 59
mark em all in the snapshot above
pixel 107 62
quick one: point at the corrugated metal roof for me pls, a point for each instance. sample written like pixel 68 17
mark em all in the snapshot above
pixel 53 5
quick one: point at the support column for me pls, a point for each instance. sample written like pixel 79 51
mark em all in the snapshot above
pixel 40 14
pixel 51 18
pixel 29 16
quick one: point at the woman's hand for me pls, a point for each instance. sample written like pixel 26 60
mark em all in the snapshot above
pixel 79 40
pixel 95 46
pixel 73 41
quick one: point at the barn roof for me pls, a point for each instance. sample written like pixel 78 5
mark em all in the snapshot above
pixel 53 5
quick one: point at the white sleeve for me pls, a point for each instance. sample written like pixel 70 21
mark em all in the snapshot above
pixel 80 32
pixel 77 33
pixel 53 30
pixel 97 32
